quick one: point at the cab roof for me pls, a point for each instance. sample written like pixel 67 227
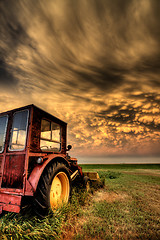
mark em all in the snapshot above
pixel 35 108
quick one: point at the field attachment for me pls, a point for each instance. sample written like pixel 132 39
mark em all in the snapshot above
pixel 93 180
pixel 93 176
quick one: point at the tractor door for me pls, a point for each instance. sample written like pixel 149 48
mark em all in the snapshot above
pixel 14 166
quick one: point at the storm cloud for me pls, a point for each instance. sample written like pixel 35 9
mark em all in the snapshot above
pixel 95 64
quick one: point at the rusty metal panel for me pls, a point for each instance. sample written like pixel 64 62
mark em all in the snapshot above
pixel 28 190
pixel 1 161
pixel 11 208
pixel 10 199
pixel 13 171
pixel 63 139
pixel 0 209
pixel 36 131
pixel 10 202
pixel 1 157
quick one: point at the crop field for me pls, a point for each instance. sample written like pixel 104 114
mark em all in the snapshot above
pixel 126 207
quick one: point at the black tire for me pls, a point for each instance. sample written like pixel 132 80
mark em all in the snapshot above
pixel 26 206
pixel 54 188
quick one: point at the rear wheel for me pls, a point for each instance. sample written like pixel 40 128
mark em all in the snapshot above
pixel 59 191
pixel 54 188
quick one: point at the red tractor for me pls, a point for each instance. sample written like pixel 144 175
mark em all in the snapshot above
pixel 34 161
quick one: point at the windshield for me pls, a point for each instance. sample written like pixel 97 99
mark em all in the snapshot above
pixel 3 128
pixel 19 131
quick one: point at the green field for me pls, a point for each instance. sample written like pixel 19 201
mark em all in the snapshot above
pixel 127 207
pixel 120 166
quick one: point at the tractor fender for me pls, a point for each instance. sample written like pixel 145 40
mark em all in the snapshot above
pixel 38 170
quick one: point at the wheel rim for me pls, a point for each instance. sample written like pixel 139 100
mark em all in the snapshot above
pixel 59 192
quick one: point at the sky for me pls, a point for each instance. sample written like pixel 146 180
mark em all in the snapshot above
pixel 93 63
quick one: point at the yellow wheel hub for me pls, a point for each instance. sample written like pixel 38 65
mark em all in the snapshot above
pixel 59 192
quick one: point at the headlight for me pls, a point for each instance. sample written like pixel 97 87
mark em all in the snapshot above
pixel 39 160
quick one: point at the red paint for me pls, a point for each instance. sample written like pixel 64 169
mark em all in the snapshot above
pixel 37 171
pixel 1 209
pixel 13 171
pixel 10 202
pixel 19 171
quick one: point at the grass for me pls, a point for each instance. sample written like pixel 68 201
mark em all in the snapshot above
pixel 17 226
pixel 128 207
pixel 14 226
pixel 122 166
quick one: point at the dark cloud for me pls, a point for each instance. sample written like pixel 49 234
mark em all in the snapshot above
pixel 121 115
pixel 111 108
pixel 151 125
pixel 149 65
pixel 147 97
pixel 113 35
pixel 13 36
pixel 98 59
pixel 6 74
pixel 13 33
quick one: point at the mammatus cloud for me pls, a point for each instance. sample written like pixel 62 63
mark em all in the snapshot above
pixel 94 64
pixel 124 128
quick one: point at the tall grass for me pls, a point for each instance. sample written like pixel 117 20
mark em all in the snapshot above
pixel 17 226
pixel 126 208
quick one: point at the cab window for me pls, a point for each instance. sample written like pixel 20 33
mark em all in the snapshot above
pixel 3 128
pixel 50 136
pixel 19 131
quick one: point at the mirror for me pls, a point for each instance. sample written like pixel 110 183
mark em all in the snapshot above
pixel 69 147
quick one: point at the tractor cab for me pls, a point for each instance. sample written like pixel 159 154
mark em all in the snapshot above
pixel 34 159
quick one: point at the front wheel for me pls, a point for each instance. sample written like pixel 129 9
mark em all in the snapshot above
pixel 54 188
